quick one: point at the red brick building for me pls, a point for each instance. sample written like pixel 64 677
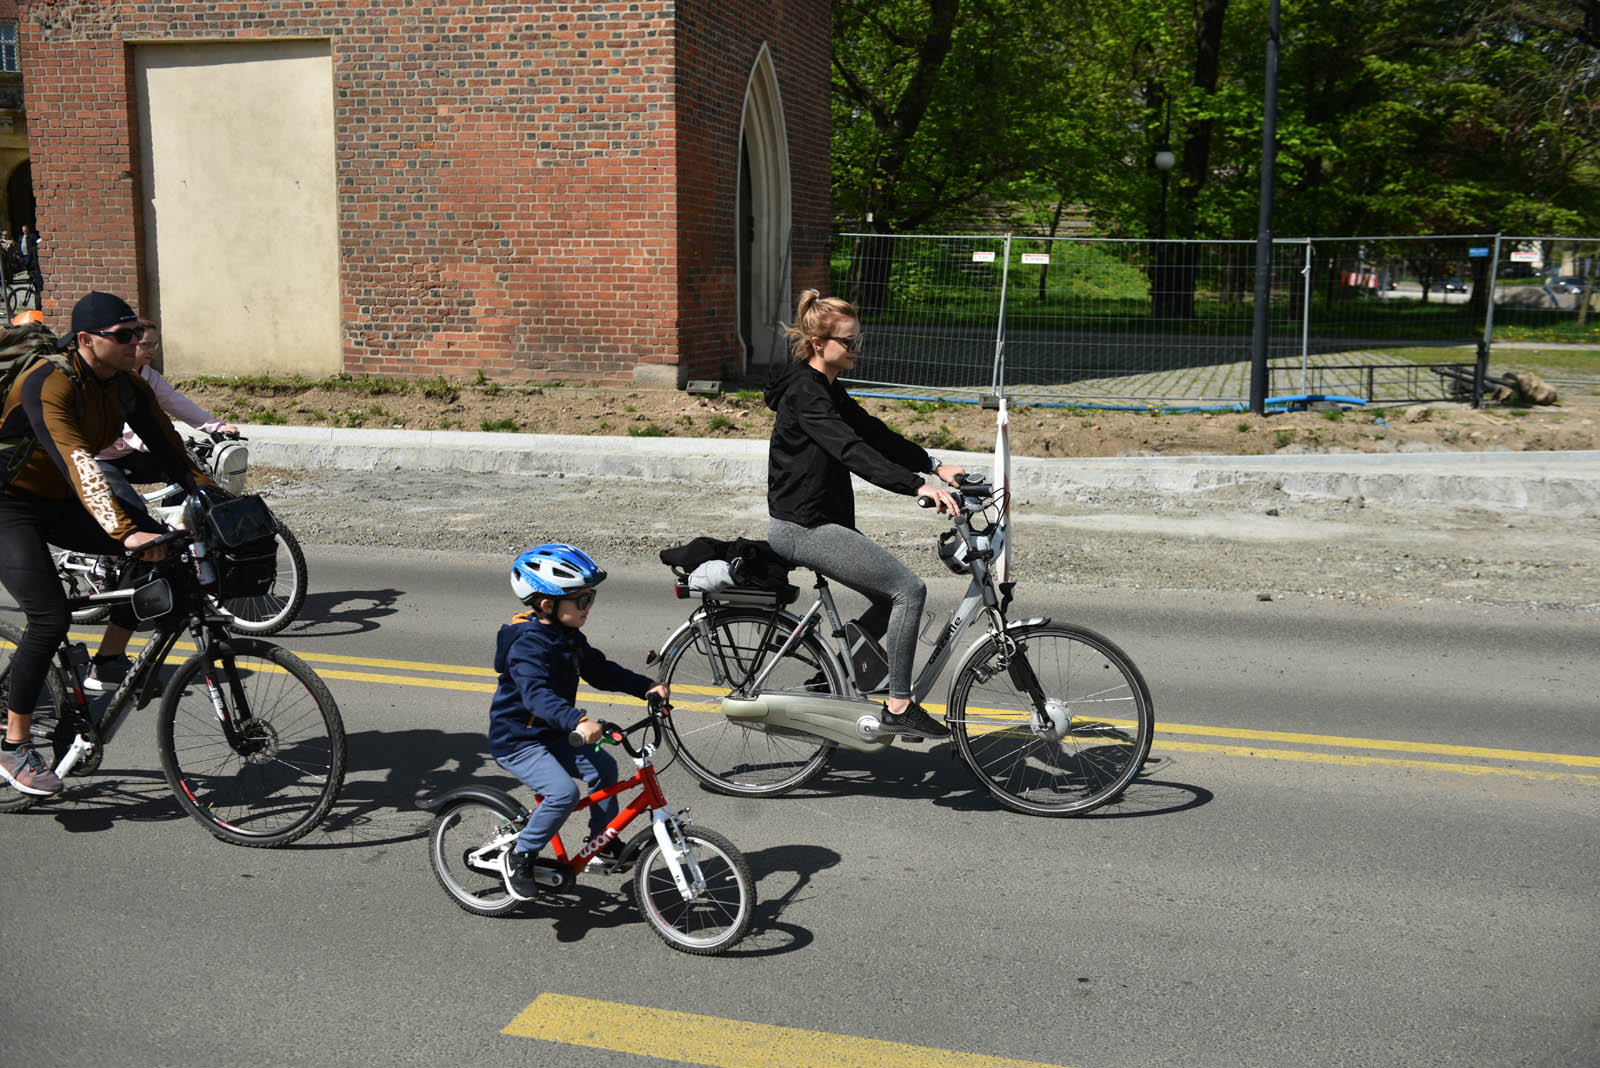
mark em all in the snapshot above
pixel 617 192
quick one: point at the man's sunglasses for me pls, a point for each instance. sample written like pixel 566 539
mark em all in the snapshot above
pixel 123 335
pixel 581 601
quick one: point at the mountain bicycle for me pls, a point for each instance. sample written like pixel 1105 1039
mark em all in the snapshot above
pixel 1051 718
pixel 276 591
pixel 693 886
pixel 251 741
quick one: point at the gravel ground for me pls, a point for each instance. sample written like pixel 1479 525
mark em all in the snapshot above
pixel 1228 541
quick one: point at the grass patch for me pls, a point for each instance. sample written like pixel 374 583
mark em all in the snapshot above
pixel 649 430
pixel 941 438
pixel 721 422
pixel 925 407
pixel 509 426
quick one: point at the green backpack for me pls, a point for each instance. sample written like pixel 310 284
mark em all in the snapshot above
pixel 20 348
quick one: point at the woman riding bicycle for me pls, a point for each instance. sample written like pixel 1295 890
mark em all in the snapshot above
pixel 820 437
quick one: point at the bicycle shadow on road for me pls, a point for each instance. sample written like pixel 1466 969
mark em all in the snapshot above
pixel 110 796
pixel 391 772
pixel 769 936
pixel 338 613
pixel 931 772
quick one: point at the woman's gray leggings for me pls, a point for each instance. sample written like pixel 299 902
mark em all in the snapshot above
pixel 850 557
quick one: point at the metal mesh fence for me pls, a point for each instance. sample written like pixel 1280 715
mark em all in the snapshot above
pixel 1096 320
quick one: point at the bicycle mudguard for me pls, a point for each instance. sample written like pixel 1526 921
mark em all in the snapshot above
pixel 635 845
pixel 488 795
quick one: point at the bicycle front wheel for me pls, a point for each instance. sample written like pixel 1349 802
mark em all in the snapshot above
pixel 270 612
pixel 1088 744
pixel 48 709
pixel 703 666
pixel 718 915
pixel 251 743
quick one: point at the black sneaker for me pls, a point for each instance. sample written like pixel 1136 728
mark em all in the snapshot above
pixel 607 860
pixel 914 720
pixel 106 673
pixel 517 869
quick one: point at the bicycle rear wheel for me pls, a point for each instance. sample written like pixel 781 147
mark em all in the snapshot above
pixel 746 761
pixel 280 771
pixel 716 917
pixel 270 612
pixel 47 710
pixel 455 839
pixel 1099 720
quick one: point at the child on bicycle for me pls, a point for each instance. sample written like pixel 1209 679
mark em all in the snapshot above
pixel 541 654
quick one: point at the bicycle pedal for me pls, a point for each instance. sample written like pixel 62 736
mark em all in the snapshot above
pixel 913 739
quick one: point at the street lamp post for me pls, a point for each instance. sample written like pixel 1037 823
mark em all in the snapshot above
pixel 1164 161
pixel 1162 304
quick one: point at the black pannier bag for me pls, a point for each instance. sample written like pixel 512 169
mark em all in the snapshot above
pixel 245 536
pixel 741 564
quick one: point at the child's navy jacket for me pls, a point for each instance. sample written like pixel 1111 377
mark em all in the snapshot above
pixel 539 666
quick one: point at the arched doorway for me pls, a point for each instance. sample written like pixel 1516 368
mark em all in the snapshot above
pixel 763 219
pixel 19 198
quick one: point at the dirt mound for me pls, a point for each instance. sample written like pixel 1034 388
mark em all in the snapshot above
pixel 1035 430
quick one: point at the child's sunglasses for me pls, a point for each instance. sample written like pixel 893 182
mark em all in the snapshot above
pixel 581 601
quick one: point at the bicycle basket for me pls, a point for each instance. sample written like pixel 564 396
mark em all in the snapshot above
pixel 245 539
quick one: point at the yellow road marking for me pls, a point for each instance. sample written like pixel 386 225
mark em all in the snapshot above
pixel 1356 760
pixel 719 1043
pixel 1163 740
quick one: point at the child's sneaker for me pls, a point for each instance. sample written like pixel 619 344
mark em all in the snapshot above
pixel 607 860
pixel 517 869
pixel 25 769
pixel 106 673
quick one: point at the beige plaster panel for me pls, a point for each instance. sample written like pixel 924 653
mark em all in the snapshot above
pixel 241 224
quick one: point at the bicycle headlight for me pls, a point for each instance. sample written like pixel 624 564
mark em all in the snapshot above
pixel 229 464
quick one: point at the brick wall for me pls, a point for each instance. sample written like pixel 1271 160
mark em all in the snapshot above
pixel 543 190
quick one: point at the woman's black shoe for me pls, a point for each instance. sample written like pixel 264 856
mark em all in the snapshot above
pixel 914 720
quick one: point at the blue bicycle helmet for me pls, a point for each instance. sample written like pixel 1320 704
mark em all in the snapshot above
pixel 553 570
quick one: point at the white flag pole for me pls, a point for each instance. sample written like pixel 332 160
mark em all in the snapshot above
pixel 1002 476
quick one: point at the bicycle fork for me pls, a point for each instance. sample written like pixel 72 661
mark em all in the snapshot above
pixel 231 715
pixel 681 861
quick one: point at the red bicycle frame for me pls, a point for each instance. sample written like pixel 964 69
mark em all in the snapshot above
pixel 650 798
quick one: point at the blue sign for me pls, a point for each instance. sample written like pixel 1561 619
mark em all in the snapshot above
pixel 1477 253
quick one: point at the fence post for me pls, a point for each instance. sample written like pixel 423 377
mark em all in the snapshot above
pixel 997 387
pixel 1482 370
pixel 1305 323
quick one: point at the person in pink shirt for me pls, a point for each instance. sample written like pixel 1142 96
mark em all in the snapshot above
pixel 126 461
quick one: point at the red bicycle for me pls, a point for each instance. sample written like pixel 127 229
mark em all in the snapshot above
pixel 692 885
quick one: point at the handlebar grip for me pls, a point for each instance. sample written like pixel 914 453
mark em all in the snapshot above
pixel 924 502
pixel 165 539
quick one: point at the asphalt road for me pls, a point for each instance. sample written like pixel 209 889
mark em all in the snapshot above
pixel 1370 838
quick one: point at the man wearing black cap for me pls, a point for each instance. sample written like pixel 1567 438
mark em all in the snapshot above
pixel 51 426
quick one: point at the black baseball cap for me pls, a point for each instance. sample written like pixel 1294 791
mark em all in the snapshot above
pixel 96 311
